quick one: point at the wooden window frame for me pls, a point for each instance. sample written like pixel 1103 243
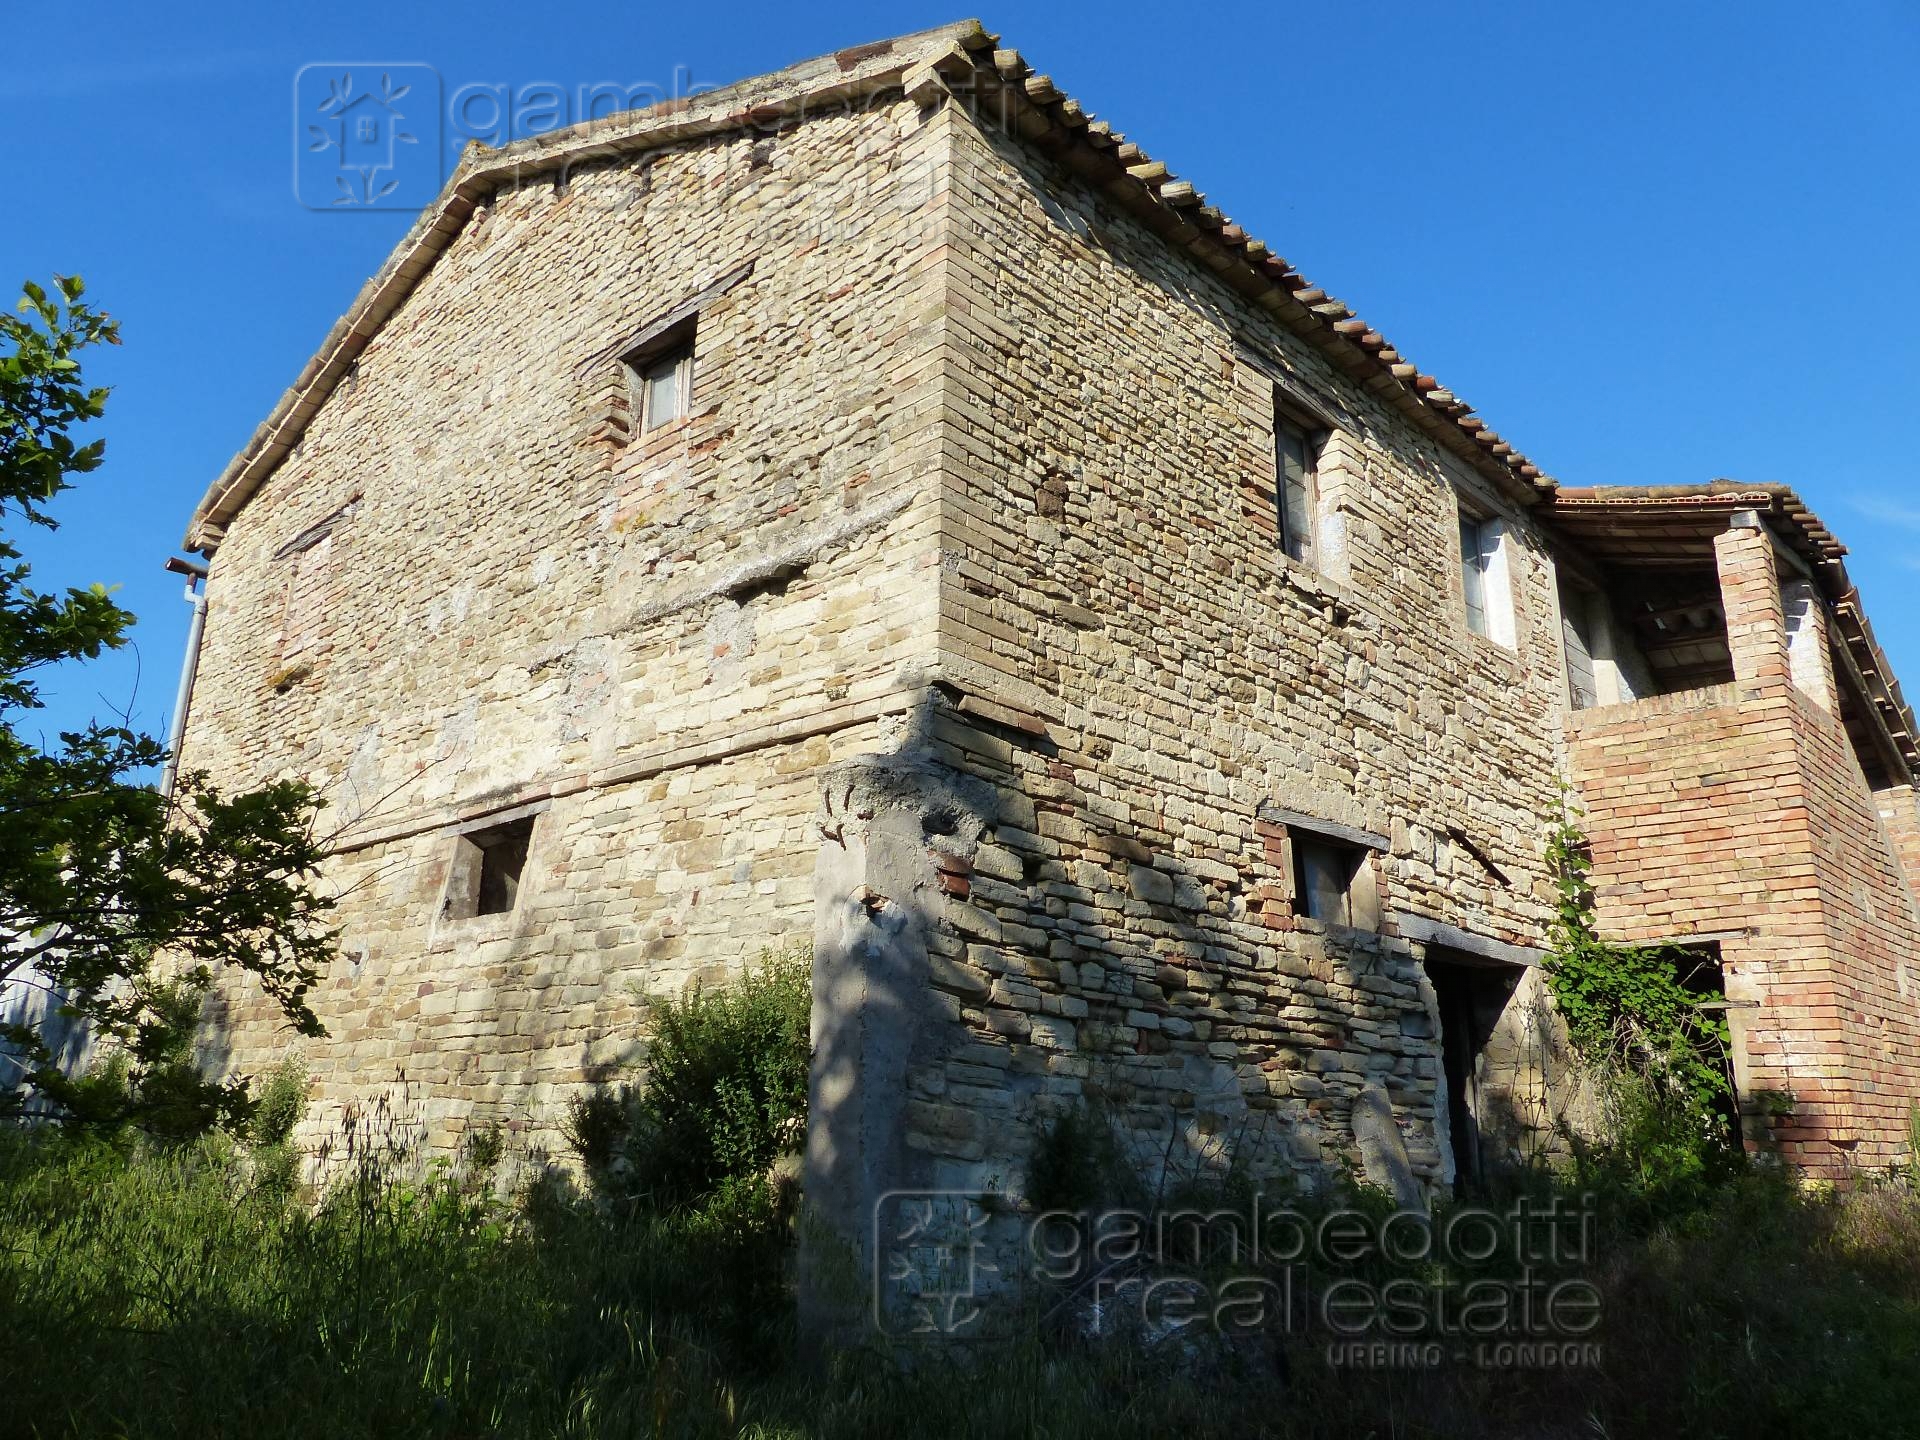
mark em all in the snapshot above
pixel 1298 544
pixel 634 352
pixel 673 348
pixel 1580 617
pixel 1347 862
pixel 1485 553
pixel 1473 573
pixel 1359 852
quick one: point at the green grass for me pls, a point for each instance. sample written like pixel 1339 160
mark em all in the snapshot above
pixel 192 1293
pixel 173 1295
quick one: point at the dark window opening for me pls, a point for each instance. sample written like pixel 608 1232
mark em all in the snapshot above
pixel 1702 975
pixel 503 855
pixel 1323 878
pixel 1676 624
pixel 487 869
pixel 1296 453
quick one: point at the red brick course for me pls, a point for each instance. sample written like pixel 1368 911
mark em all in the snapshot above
pixel 1742 812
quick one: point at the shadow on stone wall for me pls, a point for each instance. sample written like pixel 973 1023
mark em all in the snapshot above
pixel 954 1016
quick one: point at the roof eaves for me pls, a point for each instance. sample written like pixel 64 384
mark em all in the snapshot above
pixel 1800 528
pixel 1045 116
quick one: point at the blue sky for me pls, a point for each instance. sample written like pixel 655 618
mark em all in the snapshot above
pixel 1651 243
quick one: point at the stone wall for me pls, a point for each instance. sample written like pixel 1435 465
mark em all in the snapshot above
pixel 952 627
pixel 944 431
pixel 1145 682
pixel 473 589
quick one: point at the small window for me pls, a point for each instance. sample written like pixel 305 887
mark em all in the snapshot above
pixel 1483 577
pixel 487 866
pixel 1296 457
pixel 1323 878
pixel 1580 609
pixel 503 855
pixel 1473 571
pixel 662 378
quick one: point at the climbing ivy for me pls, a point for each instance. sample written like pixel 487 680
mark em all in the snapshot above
pixel 1627 1008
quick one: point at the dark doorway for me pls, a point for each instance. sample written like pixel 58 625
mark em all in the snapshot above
pixel 1702 975
pixel 1472 996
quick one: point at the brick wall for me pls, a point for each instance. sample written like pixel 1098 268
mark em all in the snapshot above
pixel 1741 812
pixel 1695 805
pixel 1873 936
pixel 1899 807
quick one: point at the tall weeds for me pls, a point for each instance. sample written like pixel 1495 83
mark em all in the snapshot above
pixel 200 1291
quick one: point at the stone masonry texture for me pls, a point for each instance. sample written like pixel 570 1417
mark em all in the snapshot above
pixel 950 631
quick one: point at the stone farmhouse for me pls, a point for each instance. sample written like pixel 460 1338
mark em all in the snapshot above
pixel 876 506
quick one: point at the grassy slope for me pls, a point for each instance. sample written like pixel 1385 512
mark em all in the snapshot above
pixel 178 1296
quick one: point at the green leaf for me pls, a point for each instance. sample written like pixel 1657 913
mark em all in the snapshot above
pixel 216 883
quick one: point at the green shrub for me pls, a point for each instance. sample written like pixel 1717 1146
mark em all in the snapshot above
pixel 482 1148
pixel 726 1085
pixel 1074 1165
pixel 280 1105
pixel 148 1082
pixel 278 1108
pixel 596 1123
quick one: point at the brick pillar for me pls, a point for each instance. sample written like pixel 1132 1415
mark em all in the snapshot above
pixel 1750 594
pixel 1808 659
